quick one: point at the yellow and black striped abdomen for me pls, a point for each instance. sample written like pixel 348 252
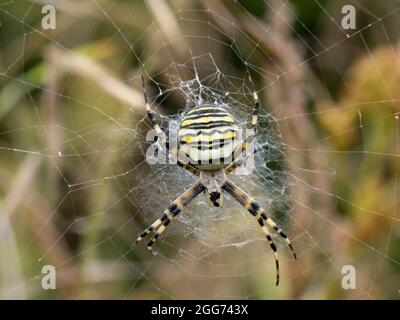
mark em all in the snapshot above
pixel 208 135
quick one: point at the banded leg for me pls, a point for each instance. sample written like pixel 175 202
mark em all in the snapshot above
pixel 173 210
pixel 234 165
pixel 184 162
pixel 256 106
pixel 150 113
pixel 252 133
pixel 161 134
pixel 254 208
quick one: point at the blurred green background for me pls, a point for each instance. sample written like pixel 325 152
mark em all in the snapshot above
pixel 73 184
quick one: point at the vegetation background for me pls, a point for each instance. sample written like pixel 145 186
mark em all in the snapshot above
pixel 60 90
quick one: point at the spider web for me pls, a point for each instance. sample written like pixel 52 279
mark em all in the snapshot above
pixel 73 138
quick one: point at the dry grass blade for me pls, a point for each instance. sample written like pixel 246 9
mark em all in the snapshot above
pixel 19 188
pixel 11 275
pixel 168 26
pixel 84 67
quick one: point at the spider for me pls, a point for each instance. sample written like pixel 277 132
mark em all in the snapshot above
pixel 210 149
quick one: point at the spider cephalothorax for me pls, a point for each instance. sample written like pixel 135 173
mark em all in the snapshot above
pixel 213 180
pixel 209 147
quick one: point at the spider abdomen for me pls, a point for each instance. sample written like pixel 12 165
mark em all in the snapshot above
pixel 208 136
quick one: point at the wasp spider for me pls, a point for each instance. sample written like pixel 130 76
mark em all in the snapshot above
pixel 209 147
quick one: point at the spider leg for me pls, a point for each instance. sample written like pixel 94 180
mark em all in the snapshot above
pixel 254 208
pixel 150 113
pixel 234 165
pixel 237 163
pixel 173 210
pixel 251 133
pixel 184 162
pixel 161 134
pixel 256 105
